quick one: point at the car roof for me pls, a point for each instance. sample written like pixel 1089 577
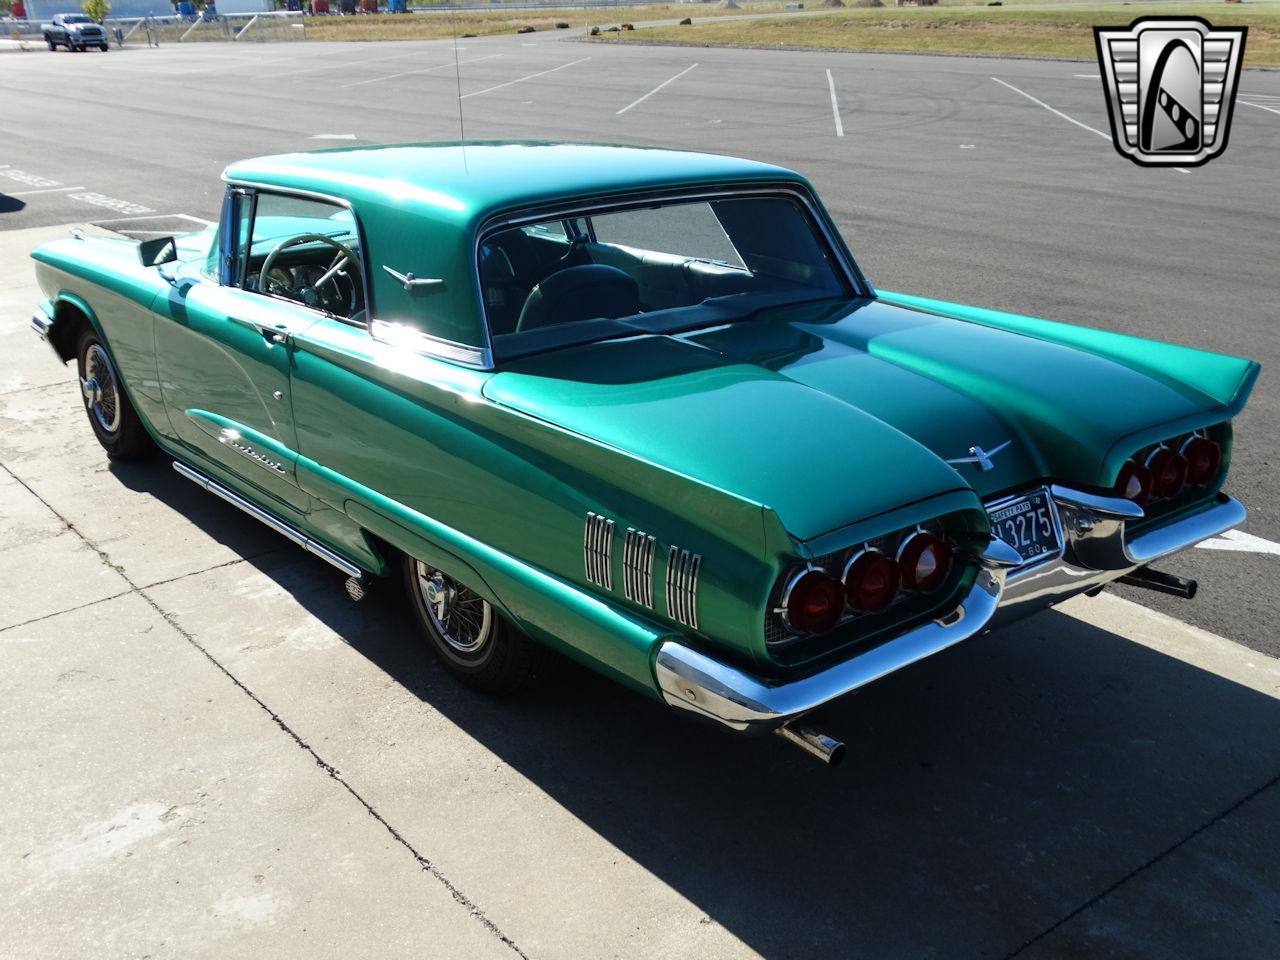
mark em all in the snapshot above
pixel 468 182
pixel 420 206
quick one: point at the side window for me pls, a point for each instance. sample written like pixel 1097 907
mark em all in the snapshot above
pixel 304 250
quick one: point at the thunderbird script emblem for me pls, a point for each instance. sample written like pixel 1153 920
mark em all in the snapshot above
pixel 981 457
pixel 1171 87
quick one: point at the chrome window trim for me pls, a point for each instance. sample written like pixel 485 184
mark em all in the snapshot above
pixel 585 208
pixel 260 188
pixel 451 351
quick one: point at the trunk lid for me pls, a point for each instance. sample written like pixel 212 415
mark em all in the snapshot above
pixel 835 412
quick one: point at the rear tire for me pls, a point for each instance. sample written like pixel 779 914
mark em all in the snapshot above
pixel 52 45
pixel 473 641
pixel 114 421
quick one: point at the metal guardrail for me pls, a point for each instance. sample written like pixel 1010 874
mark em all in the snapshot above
pixel 291 24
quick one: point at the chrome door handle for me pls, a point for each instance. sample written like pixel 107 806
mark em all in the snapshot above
pixel 269 333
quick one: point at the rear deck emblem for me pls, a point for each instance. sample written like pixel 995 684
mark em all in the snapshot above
pixel 1171 86
pixel 981 457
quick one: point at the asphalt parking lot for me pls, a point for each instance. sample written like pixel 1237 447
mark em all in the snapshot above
pixel 211 751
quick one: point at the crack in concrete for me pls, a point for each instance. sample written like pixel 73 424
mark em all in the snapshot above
pixel 58 613
pixel 424 862
pixel 31 388
pixel 1102 895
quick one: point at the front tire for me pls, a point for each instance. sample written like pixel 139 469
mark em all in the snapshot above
pixel 52 45
pixel 103 47
pixel 473 641
pixel 114 421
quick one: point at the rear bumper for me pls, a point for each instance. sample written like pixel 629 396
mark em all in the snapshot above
pixel 1096 551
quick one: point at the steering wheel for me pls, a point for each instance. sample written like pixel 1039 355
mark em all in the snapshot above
pixel 309 295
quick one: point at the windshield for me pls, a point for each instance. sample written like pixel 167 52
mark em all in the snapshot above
pixel 75 18
pixel 662 268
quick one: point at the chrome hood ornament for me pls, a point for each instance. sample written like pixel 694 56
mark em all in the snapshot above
pixel 979 456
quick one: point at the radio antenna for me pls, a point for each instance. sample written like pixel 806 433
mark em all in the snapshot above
pixel 457 75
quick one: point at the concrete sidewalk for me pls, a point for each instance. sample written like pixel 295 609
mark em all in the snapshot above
pixel 210 752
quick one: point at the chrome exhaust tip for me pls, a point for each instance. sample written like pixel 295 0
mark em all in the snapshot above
pixel 812 741
pixel 1161 582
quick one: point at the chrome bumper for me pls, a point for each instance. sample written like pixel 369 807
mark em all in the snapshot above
pixel 1095 551
pixel 42 324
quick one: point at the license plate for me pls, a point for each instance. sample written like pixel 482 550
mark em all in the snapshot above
pixel 1026 524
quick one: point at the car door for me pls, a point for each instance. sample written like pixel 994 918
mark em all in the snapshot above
pixel 224 357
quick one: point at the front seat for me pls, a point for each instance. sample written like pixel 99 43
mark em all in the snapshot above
pixel 587 292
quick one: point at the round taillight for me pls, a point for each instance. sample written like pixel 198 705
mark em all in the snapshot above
pixel 1134 482
pixel 1204 458
pixel 870 581
pixel 813 602
pixel 924 562
pixel 1168 472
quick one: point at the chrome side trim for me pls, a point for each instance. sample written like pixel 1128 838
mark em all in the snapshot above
pixel 597 550
pixel 637 567
pixel 411 338
pixel 682 586
pixel 275 523
pixel 693 681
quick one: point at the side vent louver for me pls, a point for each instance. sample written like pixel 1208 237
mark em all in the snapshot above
pixel 597 550
pixel 637 567
pixel 682 586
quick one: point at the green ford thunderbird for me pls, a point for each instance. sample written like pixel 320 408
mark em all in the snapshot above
pixel 640 407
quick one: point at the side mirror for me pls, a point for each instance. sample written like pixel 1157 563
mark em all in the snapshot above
pixel 153 253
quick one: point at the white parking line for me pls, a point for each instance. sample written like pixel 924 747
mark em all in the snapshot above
pixel 636 103
pixel 111 203
pixel 835 106
pixel 1083 126
pixel 540 73
pixel 438 66
pixel 1249 103
pixel 1242 542
pixel 29 193
pixel 160 216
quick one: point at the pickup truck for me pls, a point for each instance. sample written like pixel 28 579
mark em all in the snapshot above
pixel 75 31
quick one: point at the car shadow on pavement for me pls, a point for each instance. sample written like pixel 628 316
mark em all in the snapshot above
pixel 989 792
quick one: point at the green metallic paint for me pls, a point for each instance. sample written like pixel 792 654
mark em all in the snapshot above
pixel 758 445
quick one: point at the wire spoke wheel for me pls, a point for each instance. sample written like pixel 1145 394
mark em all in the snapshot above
pixel 463 619
pixel 101 389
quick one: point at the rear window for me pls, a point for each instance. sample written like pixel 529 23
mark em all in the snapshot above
pixel 572 280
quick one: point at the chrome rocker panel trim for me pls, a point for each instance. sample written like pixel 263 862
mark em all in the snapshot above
pixel 1092 526
pixel 275 523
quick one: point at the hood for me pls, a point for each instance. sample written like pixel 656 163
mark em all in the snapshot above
pixel 833 413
